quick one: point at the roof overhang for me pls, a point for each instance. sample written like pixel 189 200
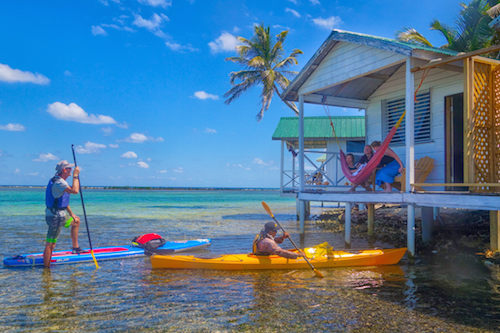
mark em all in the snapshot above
pixel 355 91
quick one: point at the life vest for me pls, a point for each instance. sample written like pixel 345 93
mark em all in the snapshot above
pixel 149 242
pixel 52 203
pixel 255 249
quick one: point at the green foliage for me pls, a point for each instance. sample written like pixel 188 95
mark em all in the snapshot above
pixel 264 65
pixel 471 31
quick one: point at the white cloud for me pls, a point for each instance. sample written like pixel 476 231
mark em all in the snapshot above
pixel 8 74
pixel 204 95
pixel 210 131
pixel 152 24
pixel 225 42
pixel 97 30
pixel 237 165
pixel 46 157
pixel 315 2
pixel 107 130
pixel 142 164
pixel 180 48
pixel 17 170
pixel 129 154
pixel 293 12
pixel 67 73
pixel 141 138
pixel 163 171
pixel 293 1
pixel 90 148
pixel 157 3
pixel 328 23
pixel 33 174
pixel 120 27
pixel 259 161
pixel 113 145
pixel 13 127
pixel 179 170
pixel 73 112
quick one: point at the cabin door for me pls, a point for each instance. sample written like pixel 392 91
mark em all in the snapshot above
pixel 454 129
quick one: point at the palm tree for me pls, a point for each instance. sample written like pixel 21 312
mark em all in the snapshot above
pixel 264 66
pixel 471 33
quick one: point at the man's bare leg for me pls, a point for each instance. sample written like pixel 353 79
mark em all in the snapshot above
pixel 47 253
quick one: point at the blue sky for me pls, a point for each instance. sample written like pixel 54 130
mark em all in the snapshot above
pixel 137 85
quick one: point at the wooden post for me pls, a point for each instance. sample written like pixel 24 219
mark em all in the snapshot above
pixel 410 127
pixel 495 230
pixel 301 163
pixel 371 218
pixel 282 164
pixel 302 216
pixel 411 230
pixel 410 153
pixel 347 225
pixel 427 223
pixel 301 143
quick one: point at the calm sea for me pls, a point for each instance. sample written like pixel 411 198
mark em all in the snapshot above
pixel 456 293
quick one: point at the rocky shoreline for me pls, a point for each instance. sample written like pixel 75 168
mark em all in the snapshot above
pixel 454 228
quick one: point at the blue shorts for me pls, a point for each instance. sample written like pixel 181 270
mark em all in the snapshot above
pixel 387 173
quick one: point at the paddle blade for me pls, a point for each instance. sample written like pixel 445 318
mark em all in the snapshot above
pixel 268 210
pixel 93 257
pixel 318 273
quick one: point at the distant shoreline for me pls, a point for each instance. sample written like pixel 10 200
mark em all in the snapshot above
pixel 148 188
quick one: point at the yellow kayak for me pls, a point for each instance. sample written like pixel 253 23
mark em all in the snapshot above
pixel 320 256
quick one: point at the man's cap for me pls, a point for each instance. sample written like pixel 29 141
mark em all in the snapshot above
pixel 63 165
pixel 270 226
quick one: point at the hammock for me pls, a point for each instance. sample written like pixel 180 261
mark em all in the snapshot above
pixel 363 175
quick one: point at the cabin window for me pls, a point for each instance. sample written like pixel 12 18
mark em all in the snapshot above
pixel 394 108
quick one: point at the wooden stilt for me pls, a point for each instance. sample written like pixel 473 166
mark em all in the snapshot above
pixel 302 216
pixel 371 218
pixel 495 230
pixel 411 230
pixel 427 223
pixel 347 225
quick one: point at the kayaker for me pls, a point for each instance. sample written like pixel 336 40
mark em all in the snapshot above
pixel 57 204
pixel 266 242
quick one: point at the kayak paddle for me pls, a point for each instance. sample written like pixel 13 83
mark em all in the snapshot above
pixel 84 213
pixel 268 210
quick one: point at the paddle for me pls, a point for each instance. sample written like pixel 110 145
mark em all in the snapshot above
pixel 268 210
pixel 84 213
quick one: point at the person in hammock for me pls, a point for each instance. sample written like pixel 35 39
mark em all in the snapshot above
pixel 389 167
pixel 368 153
pixel 350 163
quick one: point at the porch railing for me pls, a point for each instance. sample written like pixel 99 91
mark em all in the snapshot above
pixel 322 171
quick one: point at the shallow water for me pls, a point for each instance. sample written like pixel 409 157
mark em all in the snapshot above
pixel 457 292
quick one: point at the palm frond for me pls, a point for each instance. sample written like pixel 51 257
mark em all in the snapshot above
pixel 413 36
pixel 262 59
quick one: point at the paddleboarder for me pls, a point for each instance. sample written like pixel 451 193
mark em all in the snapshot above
pixel 266 242
pixel 57 208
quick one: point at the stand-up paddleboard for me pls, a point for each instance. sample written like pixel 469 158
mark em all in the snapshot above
pixel 103 253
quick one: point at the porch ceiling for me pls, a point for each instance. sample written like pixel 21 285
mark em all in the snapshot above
pixel 359 89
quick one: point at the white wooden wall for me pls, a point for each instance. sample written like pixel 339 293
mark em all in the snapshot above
pixel 332 166
pixel 346 61
pixel 441 83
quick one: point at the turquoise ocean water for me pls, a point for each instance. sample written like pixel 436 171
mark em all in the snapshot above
pixel 456 293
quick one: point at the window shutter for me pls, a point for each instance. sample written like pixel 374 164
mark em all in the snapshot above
pixel 393 109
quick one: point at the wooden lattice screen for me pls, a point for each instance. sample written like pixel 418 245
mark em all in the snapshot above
pixel 496 118
pixel 482 124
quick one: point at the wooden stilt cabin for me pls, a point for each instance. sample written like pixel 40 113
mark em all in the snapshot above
pixel 454 120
